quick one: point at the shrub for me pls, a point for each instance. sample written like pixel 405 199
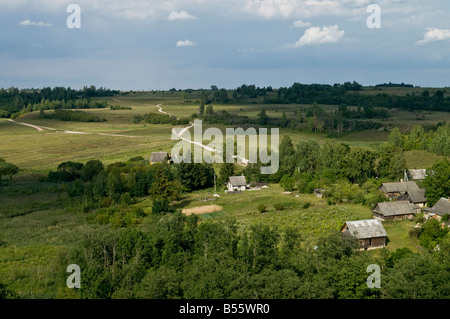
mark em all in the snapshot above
pixel 306 205
pixel 278 206
pixel 414 233
pixel 419 218
pixel 261 208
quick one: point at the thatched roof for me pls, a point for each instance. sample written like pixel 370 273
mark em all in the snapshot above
pixel 369 228
pixel 402 207
pixel 237 181
pixel 157 157
pixel 441 207
pixel 417 196
pixel 416 174
pixel 399 187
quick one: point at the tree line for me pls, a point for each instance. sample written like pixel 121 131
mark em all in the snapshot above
pixel 14 100
pixel 435 140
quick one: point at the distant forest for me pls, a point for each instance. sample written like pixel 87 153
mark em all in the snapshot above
pixel 14 102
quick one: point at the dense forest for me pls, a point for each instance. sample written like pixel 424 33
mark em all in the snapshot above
pixel 14 101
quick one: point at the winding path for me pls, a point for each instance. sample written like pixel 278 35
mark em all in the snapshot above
pixel 210 149
pixel 43 129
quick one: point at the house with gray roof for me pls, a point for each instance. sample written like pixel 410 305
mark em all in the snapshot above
pixel 441 208
pixel 415 174
pixel 416 197
pixel 396 189
pixel 237 183
pixel 159 157
pixel 370 233
pixel 395 210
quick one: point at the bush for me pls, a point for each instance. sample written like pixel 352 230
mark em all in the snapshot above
pixel 160 206
pixel 414 233
pixel 419 218
pixel 278 206
pixel 261 208
pixel 306 205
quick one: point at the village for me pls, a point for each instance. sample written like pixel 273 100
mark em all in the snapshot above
pixel 404 200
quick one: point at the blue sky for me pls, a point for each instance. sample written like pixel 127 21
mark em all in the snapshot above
pixel 145 45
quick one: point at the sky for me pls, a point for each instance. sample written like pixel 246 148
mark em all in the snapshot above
pixel 164 44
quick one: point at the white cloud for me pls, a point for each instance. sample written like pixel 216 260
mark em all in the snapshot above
pixel 301 24
pixel 434 35
pixel 185 43
pixel 182 15
pixel 318 35
pixel 39 24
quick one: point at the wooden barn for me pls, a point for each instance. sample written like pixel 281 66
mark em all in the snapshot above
pixel 441 208
pixel 393 190
pixel 396 210
pixel 414 174
pixel 370 233
pixel 416 197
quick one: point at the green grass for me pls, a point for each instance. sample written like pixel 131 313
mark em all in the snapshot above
pixel 398 235
pixel 421 159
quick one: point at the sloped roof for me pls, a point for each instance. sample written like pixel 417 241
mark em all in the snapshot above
pixel 441 207
pixel 399 187
pixel 369 228
pixel 417 196
pixel 238 181
pixel 416 174
pixel 402 207
pixel 158 156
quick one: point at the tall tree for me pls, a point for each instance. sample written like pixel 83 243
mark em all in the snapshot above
pixel 437 182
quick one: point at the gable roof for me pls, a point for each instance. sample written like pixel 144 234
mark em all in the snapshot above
pixel 402 207
pixel 417 196
pixel 158 156
pixel 416 174
pixel 369 228
pixel 237 181
pixel 441 207
pixel 399 187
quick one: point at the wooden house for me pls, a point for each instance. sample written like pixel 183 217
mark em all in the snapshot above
pixel 396 210
pixel 441 208
pixel 417 197
pixel 237 183
pixel 370 233
pixel 159 157
pixel 393 190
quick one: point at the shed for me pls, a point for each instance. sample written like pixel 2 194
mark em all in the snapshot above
pixel 395 210
pixel 159 157
pixel 415 174
pixel 370 233
pixel 237 183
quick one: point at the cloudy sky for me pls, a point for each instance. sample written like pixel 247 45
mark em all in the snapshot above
pixel 157 44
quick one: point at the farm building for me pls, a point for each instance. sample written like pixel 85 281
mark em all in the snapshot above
pixel 370 233
pixel 441 208
pixel 159 157
pixel 237 183
pixel 395 210
pixel 414 174
pixel 393 190
pixel 416 197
